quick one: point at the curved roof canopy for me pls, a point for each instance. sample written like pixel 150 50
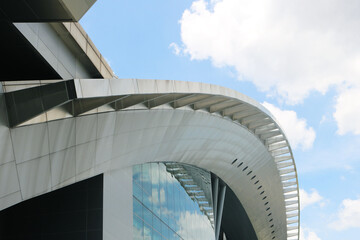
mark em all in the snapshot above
pixel 88 96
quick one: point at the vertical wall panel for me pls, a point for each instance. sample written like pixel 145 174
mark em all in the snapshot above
pixel 118 204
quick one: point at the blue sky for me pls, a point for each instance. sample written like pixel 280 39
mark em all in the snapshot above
pixel 300 58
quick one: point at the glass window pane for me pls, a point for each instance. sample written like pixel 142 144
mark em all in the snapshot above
pixel 148 216
pixel 155 188
pixel 162 207
pixel 137 208
pixel 147 232
pixel 138 228
pixel 146 178
pixel 156 224
pixel 156 235
pixel 137 173
pixel 137 191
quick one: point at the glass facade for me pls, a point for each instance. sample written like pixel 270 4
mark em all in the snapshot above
pixel 162 209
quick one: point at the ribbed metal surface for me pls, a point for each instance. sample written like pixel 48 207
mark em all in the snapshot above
pixel 96 96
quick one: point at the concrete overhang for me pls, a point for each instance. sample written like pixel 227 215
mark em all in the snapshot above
pixel 45 10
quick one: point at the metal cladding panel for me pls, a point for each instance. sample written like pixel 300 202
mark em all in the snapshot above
pixel 118 135
pixel 21 60
pixel 54 44
pixel 140 136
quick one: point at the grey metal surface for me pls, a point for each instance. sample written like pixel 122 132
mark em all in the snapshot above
pixel 118 205
pixel 88 48
pixel 37 44
pixel 215 195
pixel 220 208
pixel 156 121
pixel 54 43
pixel 21 60
pixel 28 103
pixel 168 135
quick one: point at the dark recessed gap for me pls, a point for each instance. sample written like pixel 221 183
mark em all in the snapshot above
pixel 262 192
pixel 240 164
pixel 273 237
pixel 266 203
pixel 253 177
pixel 259 187
pixel 72 212
pixel 272 232
pixel 264 198
pixel 245 168
pixel 234 161
pixel 270 220
pixel 269 214
pixel 268 209
pixel 272 226
pixel 249 173
pixel 235 222
pixel 256 182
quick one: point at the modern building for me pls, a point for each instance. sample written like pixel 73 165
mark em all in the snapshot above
pixel 86 155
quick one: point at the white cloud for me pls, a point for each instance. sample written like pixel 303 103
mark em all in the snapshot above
pixel 307 199
pixel 307 234
pixel 176 49
pixel 347 113
pixel 162 196
pixel 194 226
pixel 323 119
pixel 286 48
pixel 296 129
pixel 348 215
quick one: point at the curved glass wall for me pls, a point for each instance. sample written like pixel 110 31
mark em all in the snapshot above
pixel 165 208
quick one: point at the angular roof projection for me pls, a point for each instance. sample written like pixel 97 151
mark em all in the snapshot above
pixel 45 10
pixel 68 118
